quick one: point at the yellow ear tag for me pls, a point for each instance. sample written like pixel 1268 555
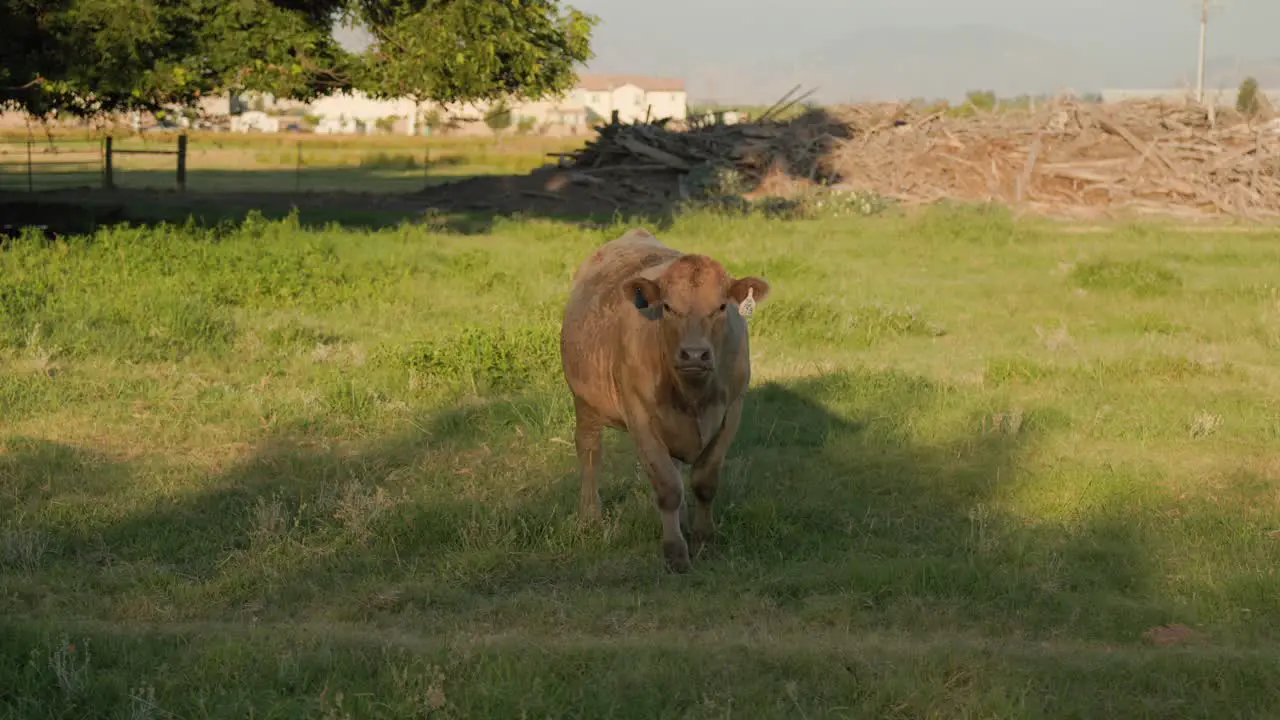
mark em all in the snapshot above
pixel 748 306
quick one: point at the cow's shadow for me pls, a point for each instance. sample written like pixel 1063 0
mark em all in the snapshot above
pixel 836 498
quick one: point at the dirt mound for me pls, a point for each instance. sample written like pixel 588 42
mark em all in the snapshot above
pixel 1065 158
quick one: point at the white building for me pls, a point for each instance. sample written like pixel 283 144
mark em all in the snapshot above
pixel 558 115
pixel 343 108
pixel 337 126
pixel 635 97
pixel 726 117
pixel 254 121
pixel 592 101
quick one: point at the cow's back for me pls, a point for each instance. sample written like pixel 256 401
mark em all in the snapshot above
pixel 598 316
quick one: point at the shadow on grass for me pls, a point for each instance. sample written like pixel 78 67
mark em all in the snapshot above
pixel 375 196
pixel 350 199
pixel 828 508
pixel 33 472
pixel 357 205
pixel 836 523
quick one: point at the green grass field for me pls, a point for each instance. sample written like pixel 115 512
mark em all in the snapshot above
pixel 269 471
pixel 234 162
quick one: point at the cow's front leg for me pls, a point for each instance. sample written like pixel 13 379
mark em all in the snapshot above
pixel 669 493
pixel 706 477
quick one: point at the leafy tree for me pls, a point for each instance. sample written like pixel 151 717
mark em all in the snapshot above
pixel 433 120
pixel 450 51
pixel 89 57
pixel 1247 97
pixel 499 118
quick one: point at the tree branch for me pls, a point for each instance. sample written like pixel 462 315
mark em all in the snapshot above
pixel 18 88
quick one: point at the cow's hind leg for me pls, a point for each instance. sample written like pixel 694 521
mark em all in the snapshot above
pixel 706 477
pixel 587 441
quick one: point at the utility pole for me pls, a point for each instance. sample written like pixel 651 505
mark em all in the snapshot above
pixel 1204 28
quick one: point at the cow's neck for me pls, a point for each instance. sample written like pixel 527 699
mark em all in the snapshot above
pixel 693 397
pixel 700 404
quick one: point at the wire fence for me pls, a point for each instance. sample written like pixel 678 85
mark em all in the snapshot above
pixel 64 164
pixel 229 163
pixel 30 165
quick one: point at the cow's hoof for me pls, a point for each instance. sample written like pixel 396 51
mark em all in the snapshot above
pixel 677 556
pixel 589 510
pixel 589 514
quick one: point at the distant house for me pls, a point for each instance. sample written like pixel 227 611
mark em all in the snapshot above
pixel 723 117
pixel 337 112
pixel 548 116
pixel 592 100
pixel 255 121
pixel 635 97
pixel 343 108
pixel 337 126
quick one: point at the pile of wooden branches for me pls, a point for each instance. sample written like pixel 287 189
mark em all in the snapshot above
pixel 1068 157
pixel 1065 157
pixel 644 157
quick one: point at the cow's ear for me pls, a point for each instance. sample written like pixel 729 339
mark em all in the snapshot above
pixel 643 292
pixel 754 287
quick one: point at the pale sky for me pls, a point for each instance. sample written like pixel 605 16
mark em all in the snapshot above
pixel 856 49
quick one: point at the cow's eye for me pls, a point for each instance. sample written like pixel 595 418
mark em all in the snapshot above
pixel 667 308
pixel 723 306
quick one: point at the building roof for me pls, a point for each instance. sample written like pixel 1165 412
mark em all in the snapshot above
pixel 606 83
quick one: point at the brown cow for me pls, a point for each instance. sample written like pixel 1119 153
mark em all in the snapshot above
pixel 653 343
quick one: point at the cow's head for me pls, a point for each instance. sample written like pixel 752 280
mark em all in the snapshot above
pixel 692 301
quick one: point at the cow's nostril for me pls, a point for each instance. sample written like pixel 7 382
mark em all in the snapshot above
pixel 698 356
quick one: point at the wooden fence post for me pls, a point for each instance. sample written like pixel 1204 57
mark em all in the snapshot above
pixel 182 162
pixel 108 179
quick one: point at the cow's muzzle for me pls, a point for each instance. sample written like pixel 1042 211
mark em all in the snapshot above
pixel 694 361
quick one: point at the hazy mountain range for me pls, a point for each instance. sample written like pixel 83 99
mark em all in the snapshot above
pixel 902 62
